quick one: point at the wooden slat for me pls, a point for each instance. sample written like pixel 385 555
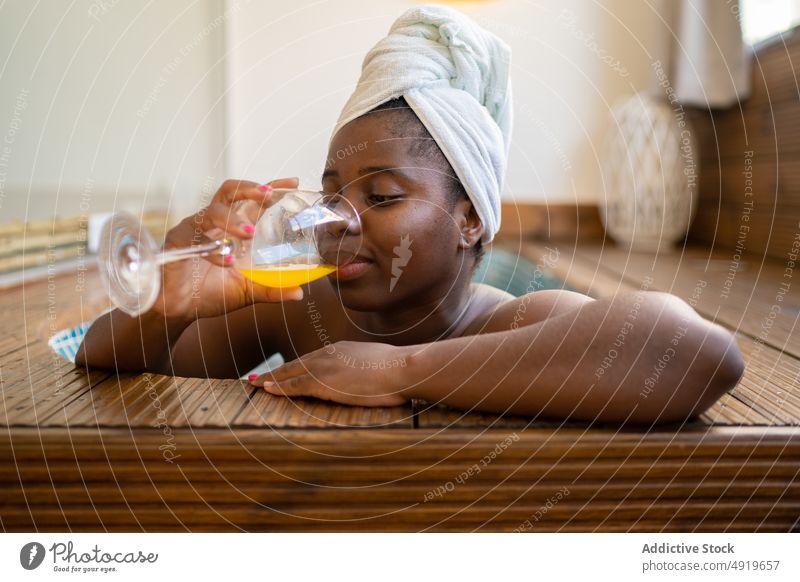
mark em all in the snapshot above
pixel 38 308
pixel 221 403
pixel 642 526
pixel 106 403
pixel 553 443
pixel 441 416
pixel 217 492
pixel 241 481
pixel 415 518
pixel 100 399
pixel 768 224
pixel 746 308
pixel 768 125
pixel 264 409
pixel 775 68
pixel 771 383
pixel 584 276
pixel 46 391
pixel 767 128
pixel 359 473
pixel 728 410
pixel 775 183
pixel 27 359
pixel 156 399
pixel 568 222
pixel 188 399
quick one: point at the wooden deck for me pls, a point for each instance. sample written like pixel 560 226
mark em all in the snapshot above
pixel 95 451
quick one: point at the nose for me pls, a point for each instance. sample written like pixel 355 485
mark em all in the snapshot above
pixel 348 218
pixel 339 238
pixel 347 226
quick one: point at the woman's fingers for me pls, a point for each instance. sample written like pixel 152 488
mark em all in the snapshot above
pixel 219 220
pixel 282 373
pixel 290 386
pixel 295 386
pixel 285 183
pixel 250 199
pixel 237 190
pixel 233 212
pixel 291 369
pixel 261 294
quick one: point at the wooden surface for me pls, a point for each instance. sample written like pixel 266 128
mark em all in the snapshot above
pixel 96 451
pixel 549 221
pixel 750 159
pixel 319 480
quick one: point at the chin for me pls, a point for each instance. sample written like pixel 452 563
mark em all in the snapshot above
pixel 365 295
pixel 358 297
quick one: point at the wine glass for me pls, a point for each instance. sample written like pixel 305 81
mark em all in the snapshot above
pixel 301 236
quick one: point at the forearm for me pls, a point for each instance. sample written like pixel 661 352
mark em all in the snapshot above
pixel 116 341
pixel 597 362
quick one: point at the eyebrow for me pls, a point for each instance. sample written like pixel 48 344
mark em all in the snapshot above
pixel 372 170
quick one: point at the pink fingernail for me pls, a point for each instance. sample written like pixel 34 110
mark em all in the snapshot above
pixel 229 259
pixel 265 187
pixel 252 377
pixel 249 228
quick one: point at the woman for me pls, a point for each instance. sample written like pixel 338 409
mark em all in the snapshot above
pixel 425 138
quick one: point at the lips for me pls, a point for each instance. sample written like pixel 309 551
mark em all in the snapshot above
pixel 352 269
pixel 352 261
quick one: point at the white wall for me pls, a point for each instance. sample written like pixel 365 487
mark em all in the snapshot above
pixel 293 65
pixel 107 103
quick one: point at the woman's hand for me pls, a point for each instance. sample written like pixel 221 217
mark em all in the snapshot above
pixel 355 373
pixel 211 286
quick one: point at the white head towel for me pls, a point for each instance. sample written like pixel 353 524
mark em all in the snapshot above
pixel 455 76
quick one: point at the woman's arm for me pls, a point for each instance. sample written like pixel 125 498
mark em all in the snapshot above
pixel 185 332
pixel 636 357
pixel 225 346
pixel 116 341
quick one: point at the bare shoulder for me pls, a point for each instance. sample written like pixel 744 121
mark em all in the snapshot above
pixel 485 300
pixel 488 297
pixel 502 311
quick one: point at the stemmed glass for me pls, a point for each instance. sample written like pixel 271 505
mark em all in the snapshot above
pixel 301 236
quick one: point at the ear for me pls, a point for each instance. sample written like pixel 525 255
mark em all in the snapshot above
pixel 469 225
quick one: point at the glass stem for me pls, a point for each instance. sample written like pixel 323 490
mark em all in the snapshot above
pixel 222 247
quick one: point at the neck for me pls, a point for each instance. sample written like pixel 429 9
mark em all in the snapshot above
pixel 432 320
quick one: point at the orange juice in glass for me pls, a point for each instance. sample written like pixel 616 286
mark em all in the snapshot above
pixel 302 235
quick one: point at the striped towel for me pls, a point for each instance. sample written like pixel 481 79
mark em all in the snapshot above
pixel 67 341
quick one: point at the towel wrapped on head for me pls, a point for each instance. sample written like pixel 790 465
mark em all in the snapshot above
pixel 455 77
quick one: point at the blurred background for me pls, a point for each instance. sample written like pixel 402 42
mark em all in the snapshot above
pixel 114 104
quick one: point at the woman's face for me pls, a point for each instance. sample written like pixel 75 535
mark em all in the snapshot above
pixel 410 252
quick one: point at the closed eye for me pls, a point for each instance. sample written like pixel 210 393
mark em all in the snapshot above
pixel 381 200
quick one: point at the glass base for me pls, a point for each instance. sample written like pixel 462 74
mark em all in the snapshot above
pixel 128 265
